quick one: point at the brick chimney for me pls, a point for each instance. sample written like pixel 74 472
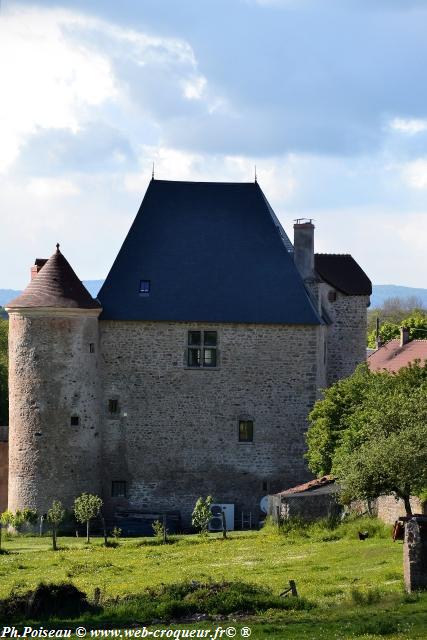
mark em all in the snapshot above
pixel 404 336
pixel 38 264
pixel 304 247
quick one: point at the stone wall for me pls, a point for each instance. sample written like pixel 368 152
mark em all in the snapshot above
pixel 175 436
pixel 415 554
pixel 3 468
pixel 306 507
pixel 346 336
pixel 52 376
pixel 389 509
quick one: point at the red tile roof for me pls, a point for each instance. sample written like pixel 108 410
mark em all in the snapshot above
pixel 392 356
pixel 55 285
pixel 309 486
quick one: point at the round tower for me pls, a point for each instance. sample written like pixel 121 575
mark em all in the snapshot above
pixel 54 437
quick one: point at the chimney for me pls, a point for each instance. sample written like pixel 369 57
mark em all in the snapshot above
pixel 304 247
pixel 38 264
pixel 404 336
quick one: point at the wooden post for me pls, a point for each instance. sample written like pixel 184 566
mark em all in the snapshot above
pixel 224 525
pixel 164 529
pixel 104 529
pixel 278 517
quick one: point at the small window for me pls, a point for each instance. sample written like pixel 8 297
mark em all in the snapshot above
pixel 246 431
pixel 144 287
pixel 75 421
pixel 265 485
pixel 113 406
pixel 91 347
pixel 118 489
pixel 202 349
pixel 332 296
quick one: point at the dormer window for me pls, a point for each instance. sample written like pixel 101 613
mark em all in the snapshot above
pixel 144 287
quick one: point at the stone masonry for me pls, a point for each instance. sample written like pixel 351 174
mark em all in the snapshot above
pixel 108 404
pixel 3 467
pixel 52 376
pixel 176 435
pixel 415 554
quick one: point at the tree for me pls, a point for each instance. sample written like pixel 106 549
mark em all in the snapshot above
pixel 416 322
pixel 86 507
pixel 328 418
pixel 370 431
pixel 202 514
pixel 55 516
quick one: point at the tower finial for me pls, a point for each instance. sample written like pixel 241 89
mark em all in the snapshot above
pixel 57 247
pixel 152 172
pixel 256 177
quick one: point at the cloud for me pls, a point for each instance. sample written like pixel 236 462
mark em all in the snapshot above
pixel 415 173
pixel 410 127
pixel 51 188
pixel 72 74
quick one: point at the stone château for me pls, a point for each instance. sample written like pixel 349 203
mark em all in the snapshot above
pixel 193 371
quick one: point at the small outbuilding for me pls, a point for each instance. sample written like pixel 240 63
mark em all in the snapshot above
pixel 315 499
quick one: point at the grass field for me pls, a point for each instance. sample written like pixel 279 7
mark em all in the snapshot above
pixel 354 588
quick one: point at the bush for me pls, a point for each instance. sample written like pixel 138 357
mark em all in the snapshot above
pixel 185 599
pixel 329 529
pixel 45 601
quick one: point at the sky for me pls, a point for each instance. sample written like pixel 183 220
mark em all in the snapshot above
pixel 328 98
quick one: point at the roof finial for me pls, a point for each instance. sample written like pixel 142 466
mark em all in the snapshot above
pixel 152 172
pixel 256 177
pixel 57 247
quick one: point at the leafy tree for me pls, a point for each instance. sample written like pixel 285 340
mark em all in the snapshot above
pixel 370 431
pixel 86 507
pixel 55 516
pixel 202 514
pixel 416 322
pixel 328 418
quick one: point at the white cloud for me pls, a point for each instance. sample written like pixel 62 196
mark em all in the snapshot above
pixel 410 127
pixel 52 188
pixel 47 81
pixel 60 69
pixel 415 173
pixel 276 175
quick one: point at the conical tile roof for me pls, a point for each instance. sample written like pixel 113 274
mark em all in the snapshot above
pixel 56 285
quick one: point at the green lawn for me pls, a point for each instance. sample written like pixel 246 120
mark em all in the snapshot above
pixel 356 587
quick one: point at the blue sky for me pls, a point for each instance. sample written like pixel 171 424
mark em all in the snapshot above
pixel 327 97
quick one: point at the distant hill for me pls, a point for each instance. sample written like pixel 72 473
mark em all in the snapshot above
pixel 380 292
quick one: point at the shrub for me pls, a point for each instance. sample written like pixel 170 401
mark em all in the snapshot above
pixel 202 514
pixel 45 601
pixel 184 599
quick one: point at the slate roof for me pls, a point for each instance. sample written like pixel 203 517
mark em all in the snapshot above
pixel 55 285
pixel 343 273
pixel 392 356
pixel 212 253
pixel 309 486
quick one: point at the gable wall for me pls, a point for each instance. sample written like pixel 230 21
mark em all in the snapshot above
pixel 179 438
